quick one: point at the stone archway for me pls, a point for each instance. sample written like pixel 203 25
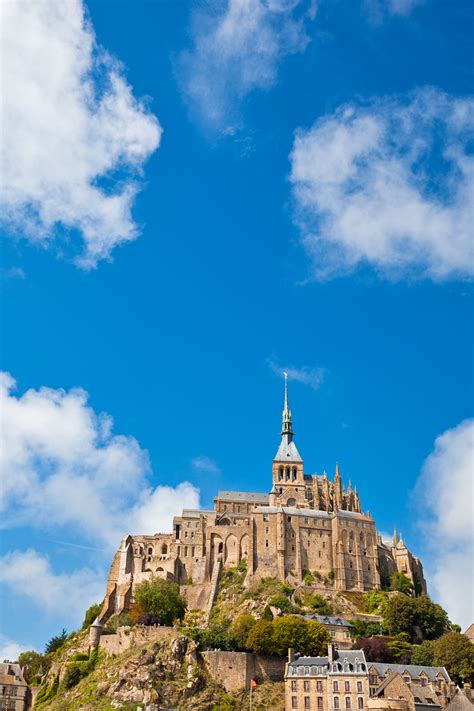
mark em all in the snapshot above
pixel 244 547
pixel 232 551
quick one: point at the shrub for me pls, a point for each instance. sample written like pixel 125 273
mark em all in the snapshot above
pixel 216 636
pixel 267 614
pixel 375 601
pixel 240 629
pixel 375 649
pixel 423 654
pixel 281 602
pixel 73 676
pixel 331 575
pixel 162 599
pixel 260 639
pixel 319 604
pixel 308 577
pixel 47 692
pixel 91 614
pixel 401 583
pixel 55 642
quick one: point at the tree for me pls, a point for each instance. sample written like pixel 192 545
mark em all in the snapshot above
pixel 289 631
pixel 319 604
pixel 423 654
pixel 317 638
pixel 375 649
pixel 281 602
pixel 55 642
pixel 431 618
pixel 401 583
pixel 260 638
pixel 91 615
pixel 33 665
pixel 399 614
pixel 217 636
pixel 161 598
pixel 240 629
pixel 455 652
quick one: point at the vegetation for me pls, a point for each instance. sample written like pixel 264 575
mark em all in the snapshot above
pixel 318 604
pixel 404 614
pixel 160 599
pixel 240 630
pixel 455 652
pixel 91 615
pixel 400 583
pixel 423 654
pixel 55 642
pixel 304 636
pixel 34 665
pixel 375 649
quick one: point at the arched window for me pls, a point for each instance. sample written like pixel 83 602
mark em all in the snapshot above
pixel 287 473
pixel 164 549
pixel 294 473
pixel 348 702
pixel 280 473
pixel 336 702
pixel 220 548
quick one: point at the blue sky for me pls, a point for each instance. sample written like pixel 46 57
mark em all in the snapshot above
pixel 294 192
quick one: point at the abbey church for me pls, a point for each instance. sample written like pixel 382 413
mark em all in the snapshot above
pixel 305 523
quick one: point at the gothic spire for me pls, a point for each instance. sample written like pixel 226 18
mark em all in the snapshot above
pixel 286 425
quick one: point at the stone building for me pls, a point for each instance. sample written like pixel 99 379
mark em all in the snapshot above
pixel 304 523
pixel 338 682
pixel 345 680
pixel 338 628
pixel 14 691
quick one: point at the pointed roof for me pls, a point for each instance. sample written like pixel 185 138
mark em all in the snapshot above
pixel 287 451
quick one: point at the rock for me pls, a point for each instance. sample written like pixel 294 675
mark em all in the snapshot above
pixel 276 612
pixel 178 648
pixel 102 687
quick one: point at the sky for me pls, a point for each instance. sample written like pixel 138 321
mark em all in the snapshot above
pixel 194 198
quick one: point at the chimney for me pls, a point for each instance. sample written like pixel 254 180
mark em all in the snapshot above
pixel 291 655
pixel 331 652
pixel 467 691
pixel 451 690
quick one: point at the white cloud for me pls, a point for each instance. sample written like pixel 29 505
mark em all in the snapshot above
pixel 63 468
pixel 238 45
pixel 67 595
pixel 74 137
pixel 389 184
pixel 312 376
pixel 444 496
pixel 204 464
pixel 377 9
pixel 10 650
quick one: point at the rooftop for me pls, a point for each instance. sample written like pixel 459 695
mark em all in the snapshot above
pixel 413 669
pixel 242 496
pixel 325 620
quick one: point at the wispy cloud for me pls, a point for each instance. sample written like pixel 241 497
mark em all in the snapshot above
pixel 237 49
pixel 312 376
pixel 204 464
pixel 10 650
pixel 74 137
pixel 388 184
pixel 378 10
pixel 444 500
pixel 64 470
pixel 12 273
pixel 67 595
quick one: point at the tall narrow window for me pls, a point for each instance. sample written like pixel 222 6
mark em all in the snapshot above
pixel 336 702
pixel 306 685
pixel 348 702
pixel 335 686
pixel 360 703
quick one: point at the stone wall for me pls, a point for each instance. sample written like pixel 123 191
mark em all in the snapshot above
pixel 127 637
pixel 234 670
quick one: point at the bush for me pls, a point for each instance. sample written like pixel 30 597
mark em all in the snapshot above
pixel 281 602
pixel 308 577
pixel 423 654
pixel 74 674
pixel 240 629
pixel 91 614
pixel 260 639
pixel 216 636
pixel 400 583
pixel 319 604
pixel 375 649
pixel 161 599
pixel 331 575
pixel 375 601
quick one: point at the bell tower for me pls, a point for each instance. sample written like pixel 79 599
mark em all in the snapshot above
pixel 287 468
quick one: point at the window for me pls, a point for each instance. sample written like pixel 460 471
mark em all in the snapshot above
pixel 293 685
pixel 320 702
pixel 192 551
pixel 424 681
pixel 336 702
pixel 306 685
pixel 359 687
pixel 294 702
pixel 266 544
pixel 360 703
pixel 373 679
pixel 265 517
pixel 185 551
pixel 335 686
pixel 347 686
pixel 185 534
pixel 306 521
pixel 348 702
pixel 407 679
pixel 289 518
pixel 306 702
pixel 319 686
pixel 164 549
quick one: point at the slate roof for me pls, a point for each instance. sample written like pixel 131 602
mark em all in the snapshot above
pixel 309 662
pixel 195 513
pixel 243 496
pixel 413 669
pixel 293 511
pixel 459 702
pixel 287 451
pixel 326 620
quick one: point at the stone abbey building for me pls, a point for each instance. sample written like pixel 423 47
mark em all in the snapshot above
pixel 305 523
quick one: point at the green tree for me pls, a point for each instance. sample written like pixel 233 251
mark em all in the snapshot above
pixel 423 654
pixel 217 636
pixel 33 665
pixel 431 617
pixel 399 614
pixel 161 598
pixel 55 642
pixel 240 629
pixel 260 638
pixel 375 601
pixel 401 583
pixel 319 604
pixel 289 631
pixel 400 648
pixel 281 602
pixel 91 614
pixel 317 638
pixel 455 652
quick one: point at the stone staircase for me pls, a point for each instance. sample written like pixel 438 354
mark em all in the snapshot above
pixel 214 582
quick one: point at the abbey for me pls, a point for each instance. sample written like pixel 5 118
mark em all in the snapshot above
pixel 305 523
